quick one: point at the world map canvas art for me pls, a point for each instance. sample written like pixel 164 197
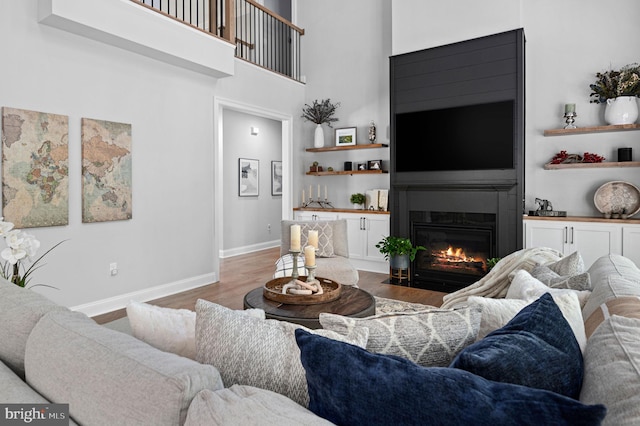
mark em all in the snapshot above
pixel 35 168
pixel 106 171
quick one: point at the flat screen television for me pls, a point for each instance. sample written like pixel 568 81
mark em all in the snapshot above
pixel 473 137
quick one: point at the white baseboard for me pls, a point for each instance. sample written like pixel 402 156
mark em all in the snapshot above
pixel 118 302
pixel 370 265
pixel 249 249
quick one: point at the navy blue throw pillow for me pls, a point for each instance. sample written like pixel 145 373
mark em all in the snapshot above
pixel 350 386
pixel 537 348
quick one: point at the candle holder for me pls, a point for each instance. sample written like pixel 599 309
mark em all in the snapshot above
pixel 294 273
pixel 311 274
pixel 570 119
pixel 322 204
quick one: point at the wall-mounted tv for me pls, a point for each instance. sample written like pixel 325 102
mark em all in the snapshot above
pixel 473 137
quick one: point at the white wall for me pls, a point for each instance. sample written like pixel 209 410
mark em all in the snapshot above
pixel 253 216
pixel 345 57
pixel 567 43
pixel 170 244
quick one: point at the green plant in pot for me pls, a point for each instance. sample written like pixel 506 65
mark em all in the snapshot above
pixel 358 199
pixel 398 251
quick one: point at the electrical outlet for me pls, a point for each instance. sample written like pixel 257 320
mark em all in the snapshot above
pixel 269 227
pixel 113 269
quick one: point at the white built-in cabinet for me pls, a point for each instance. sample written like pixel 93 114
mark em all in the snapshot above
pixel 364 231
pixel 591 237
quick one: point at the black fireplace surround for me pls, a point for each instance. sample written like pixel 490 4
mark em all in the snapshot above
pixel 464 212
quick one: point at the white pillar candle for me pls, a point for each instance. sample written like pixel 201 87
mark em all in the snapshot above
pixel 313 238
pixel 309 256
pixel 318 191
pixel 295 238
pixel 325 192
pixel 303 199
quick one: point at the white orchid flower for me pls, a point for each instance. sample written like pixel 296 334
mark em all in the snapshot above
pixel 30 244
pixel 5 227
pixel 13 255
pixel 15 238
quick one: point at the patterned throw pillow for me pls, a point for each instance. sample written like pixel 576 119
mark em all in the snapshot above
pixel 260 353
pixel 525 287
pixel 574 282
pixel 325 237
pixel 428 338
pixel 351 386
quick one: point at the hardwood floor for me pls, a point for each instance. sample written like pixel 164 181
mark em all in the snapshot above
pixel 241 274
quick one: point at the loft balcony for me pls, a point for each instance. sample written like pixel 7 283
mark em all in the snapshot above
pixel 179 32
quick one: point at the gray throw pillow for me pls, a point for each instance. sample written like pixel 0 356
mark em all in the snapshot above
pixel 254 352
pixel 552 279
pixel 568 265
pixel 429 338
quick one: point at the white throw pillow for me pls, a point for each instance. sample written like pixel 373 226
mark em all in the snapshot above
pixel 168 329
pixel 496 313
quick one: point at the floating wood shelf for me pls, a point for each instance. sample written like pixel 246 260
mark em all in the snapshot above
pixel 348 147
pixel 592 129
pixel 349 172
pixel 606 164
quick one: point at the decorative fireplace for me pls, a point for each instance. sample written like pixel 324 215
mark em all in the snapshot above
pixel 457 248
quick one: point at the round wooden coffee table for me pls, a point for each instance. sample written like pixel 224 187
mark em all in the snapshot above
pixel 352 302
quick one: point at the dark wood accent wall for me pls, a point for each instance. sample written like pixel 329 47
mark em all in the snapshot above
pixel 483 70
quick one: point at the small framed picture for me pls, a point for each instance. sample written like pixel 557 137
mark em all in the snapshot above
pixel 374 165
pixel 248 173
pixel 346 136
pixel 276 178
pixel 362 166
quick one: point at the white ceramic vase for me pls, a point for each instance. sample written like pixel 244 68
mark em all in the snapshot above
pixel 318 137
pixel 621 110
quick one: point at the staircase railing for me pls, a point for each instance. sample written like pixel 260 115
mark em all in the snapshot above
pixel 261 36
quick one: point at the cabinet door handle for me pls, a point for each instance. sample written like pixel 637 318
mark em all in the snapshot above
pixel 363 224
pixel 566 234
pixel 572 235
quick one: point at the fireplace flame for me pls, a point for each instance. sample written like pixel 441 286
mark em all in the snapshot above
pixel 455 255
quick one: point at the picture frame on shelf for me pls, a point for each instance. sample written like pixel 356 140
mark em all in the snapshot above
pixel 362 166
pixel 374 165
pixel 248 174
pixel 346 136
pixel 276 178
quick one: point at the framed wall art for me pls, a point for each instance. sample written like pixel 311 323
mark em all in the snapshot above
pixel 248 173
pixel 374 165
pixel 346 136
pixel 276 178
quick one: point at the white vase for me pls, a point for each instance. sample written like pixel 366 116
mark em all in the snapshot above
pixel 621 110
pixel 318 137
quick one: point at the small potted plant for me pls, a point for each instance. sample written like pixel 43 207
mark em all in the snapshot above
pixel 398 251
pixel 320 112
pixel 358 200
pixel 314 167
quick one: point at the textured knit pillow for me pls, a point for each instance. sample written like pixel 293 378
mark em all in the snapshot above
pixel 428 338
pixel 351 386
pixel 612 370
pixel 545 275
pixel 537 348
pixel 523 286
pixel 568 265
pixel 325 237
pixel 257 353
pixel 170 330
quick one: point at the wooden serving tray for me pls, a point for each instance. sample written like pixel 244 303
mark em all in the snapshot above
pixel 272 290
